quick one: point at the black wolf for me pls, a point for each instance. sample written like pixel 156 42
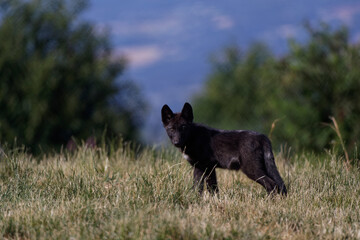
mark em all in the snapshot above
pixel 207 148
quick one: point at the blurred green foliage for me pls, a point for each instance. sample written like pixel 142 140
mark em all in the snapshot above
pixel 58 78
pixel 313 81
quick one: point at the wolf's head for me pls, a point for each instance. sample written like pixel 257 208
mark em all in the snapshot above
pixel 177 125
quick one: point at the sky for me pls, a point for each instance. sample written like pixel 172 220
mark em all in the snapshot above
pixel 168 43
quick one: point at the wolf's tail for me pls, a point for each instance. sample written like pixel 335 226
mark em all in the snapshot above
pixel 271 168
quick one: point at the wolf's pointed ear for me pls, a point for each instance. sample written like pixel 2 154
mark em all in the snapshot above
pixel 187 112
pixel 166 114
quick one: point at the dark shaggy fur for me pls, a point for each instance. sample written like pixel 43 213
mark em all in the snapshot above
pixel 206 149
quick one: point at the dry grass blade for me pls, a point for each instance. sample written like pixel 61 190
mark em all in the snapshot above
pixel 2 152
pixel 336 128
pixel 273 126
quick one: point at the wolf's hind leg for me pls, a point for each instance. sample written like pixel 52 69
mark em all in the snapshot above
pixel 267 183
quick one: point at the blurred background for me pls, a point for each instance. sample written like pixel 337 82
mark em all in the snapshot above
pixel 90 70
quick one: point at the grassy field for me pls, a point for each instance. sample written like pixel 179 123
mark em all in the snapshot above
pixel 120 194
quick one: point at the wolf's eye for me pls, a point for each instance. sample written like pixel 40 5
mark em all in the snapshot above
pixel 183 127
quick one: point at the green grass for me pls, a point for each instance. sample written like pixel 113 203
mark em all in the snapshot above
pixel 91 194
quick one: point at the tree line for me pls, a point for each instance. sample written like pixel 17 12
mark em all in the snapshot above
pixel 60 80
pixel 291 97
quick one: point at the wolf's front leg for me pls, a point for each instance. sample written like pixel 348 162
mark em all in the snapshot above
pixel 209 175
pixel 199 179
pixel 211 182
